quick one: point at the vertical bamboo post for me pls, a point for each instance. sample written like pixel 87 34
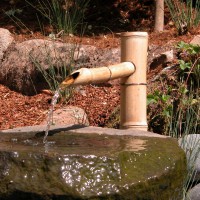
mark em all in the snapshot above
pixel 133 113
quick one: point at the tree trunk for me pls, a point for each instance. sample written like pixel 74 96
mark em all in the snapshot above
pixel 159 16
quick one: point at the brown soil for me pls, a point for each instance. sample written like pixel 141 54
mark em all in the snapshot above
pixel 98 101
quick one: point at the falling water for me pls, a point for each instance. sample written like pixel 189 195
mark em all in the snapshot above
pixel 50 114
pixel 66 83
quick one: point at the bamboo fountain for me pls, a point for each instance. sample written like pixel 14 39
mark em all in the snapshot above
pixel 96 163
pixel 132 72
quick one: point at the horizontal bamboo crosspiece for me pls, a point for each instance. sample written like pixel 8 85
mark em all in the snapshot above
pixel 99 75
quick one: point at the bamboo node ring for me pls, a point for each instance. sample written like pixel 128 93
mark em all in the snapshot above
pixel 133 84
pixel 110 73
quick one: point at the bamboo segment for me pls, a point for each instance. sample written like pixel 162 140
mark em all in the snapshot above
pixel 133 88
pixel 99 75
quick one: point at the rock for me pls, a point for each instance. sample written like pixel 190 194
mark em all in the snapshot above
pixel 158 61
pixel 20 69
pixel 6 40
pixel 169 55
pixel 196 40
pixel 194 193
pixel 22 64
pixel 190 144
pixel 69 115
pixel 90 163
pixel 162 59
pixel 160 56
pixel 92 57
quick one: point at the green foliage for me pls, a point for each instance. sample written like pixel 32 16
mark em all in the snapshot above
pixel 188 48
pixel 189 60
pixel 185 14
pixel 63 15
pixel 186 119
pixel 13 12
pixel 175 111
pixel 163 99
pixel 159 110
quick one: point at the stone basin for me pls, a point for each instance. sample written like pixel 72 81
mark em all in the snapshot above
pixel 89 163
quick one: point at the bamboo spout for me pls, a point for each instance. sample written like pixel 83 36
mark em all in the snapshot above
pixel 99 75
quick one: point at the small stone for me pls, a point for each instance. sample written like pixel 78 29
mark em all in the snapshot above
pixel 6 40
pixel 169 55
pixel 90 27
pixel 190 144
pixel 194 193
pixel 196 40
pixel 69 115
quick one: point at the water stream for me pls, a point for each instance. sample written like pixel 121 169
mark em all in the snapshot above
pixel 66 83
pixel 50 114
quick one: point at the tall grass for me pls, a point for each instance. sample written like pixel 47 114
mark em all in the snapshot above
pixel 185 119
pixel 185 14
pixel 58 67
pixel 188 122
pixel 66 15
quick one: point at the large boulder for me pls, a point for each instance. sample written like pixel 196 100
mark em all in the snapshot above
pixel 20 69
pixel 190 144
pixel 22 64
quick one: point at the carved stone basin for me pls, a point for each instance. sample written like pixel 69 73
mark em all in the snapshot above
pixel 89 163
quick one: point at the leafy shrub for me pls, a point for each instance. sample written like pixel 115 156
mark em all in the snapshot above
pixel 175 111
pixel 189 60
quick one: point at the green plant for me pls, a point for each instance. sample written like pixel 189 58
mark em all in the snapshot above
pixel 185 14
pixel 66 15
pixel 186 116
pixel 189 61
pixel 159 110
pixel 186 121
pixel 13 12
pixel 173 105
pixel 14 15
pixel 177 110
pixel 58 68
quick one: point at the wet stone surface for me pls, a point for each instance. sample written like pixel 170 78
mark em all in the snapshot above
pixel 89 166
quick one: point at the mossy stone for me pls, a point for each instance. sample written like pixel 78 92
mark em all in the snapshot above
pixel 90 166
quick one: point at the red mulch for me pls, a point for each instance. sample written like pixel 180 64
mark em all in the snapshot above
pixel 19 110
pixel 98 102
